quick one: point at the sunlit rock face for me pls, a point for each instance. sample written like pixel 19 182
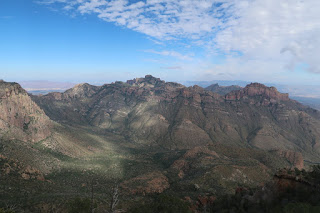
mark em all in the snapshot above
pixel 157 113
pixel 268 95
pixel 20 117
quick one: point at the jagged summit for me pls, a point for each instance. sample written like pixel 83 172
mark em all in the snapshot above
pixel 147 80
pixel 8 88
pixel 258 90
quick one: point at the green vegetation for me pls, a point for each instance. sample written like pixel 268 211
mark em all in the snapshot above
pixel 80 205
pixel 300 208
pixel 293 192
pixel 163 204
pixel 5 211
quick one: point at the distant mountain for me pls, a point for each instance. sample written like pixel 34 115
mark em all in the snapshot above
pixel 45 87
pixel 307 94
pixel 220 82
pixel 222 90
pixel 308 91
pixel 311 102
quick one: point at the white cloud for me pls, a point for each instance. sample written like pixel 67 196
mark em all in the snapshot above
pixel 165 19
pixel 171 54
pixel 266 30
pixel 278 34
pixel 171 68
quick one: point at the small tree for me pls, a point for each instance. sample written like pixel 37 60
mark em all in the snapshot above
pixel 114 198
pixel 80 205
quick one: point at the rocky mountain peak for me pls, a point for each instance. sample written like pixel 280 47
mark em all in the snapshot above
pixel 20 115
pixel 9 88
pixel 213 86
pixel 148 80
pixel 81 90
pixel 257 90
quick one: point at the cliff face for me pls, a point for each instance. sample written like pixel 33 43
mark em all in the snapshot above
pixel 20 117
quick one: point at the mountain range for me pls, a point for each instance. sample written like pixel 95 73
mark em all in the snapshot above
pixel 152 136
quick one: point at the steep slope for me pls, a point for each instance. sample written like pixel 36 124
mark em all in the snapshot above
pixel 69 106
pixel 20 117
pixel 151 111
pixel 222 90
pixel 283 123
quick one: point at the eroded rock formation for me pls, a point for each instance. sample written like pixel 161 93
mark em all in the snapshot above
pixel 20 117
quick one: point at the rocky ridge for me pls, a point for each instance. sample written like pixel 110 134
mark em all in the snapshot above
pixel 151 111
pixel 20 117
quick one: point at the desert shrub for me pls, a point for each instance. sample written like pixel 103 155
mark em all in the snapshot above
pixel 79 205
pixel 300 208
pixel 5 211
pixel 163 204
pixel 231 203
pixel 315 172
pixel 297 171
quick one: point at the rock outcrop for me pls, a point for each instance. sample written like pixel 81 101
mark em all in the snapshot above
pixel 9 166
pixel 183 164
pixel 151 183
pixel 258 91
pixel 20 117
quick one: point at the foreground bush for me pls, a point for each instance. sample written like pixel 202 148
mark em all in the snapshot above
pixel 163 204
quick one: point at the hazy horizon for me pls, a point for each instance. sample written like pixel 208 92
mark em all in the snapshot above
pixel 308 93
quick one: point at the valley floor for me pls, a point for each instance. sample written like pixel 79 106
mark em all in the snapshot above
pixel 92 160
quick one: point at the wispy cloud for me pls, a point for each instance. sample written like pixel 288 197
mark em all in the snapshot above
pixel 277 33
pixel 287 31
pixel 171 54
pixel 166 19
pixel 171 68
pixel 6 17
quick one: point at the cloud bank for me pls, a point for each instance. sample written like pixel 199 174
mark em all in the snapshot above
pixel 276 34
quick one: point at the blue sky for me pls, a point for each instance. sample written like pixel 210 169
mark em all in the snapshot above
pixel 105 40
